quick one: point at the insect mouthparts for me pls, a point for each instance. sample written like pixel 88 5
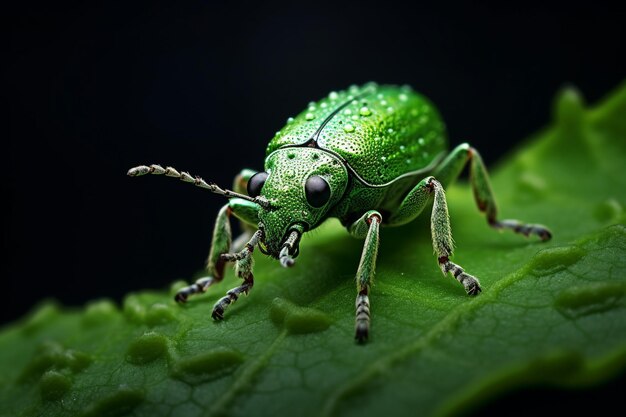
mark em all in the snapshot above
pixel 286 253
pixel 286 260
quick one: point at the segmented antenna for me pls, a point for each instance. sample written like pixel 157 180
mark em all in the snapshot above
pixel 197 181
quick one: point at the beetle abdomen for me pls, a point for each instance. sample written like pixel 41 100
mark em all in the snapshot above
pixel 382 132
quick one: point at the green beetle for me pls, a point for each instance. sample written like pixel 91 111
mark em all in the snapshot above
pixel 370 156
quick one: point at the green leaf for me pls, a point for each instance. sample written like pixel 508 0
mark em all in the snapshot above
pixel 550 313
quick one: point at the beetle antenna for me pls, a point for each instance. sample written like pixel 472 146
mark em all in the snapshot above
pixel 197 181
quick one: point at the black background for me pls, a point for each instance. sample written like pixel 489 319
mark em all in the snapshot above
pixel 93 89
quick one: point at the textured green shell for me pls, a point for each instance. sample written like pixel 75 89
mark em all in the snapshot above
pixel 382 132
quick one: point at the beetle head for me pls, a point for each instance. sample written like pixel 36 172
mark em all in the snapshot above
pixel 302 184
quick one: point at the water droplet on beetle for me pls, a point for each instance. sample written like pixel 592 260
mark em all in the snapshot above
pixel 364 111
pixel 348 128
pixel 309 116
pixel 403 97
pixel 383 102
pixel 355 117
pixel 290 120
pixel 333 95
pixel 323 105
pixel 347 111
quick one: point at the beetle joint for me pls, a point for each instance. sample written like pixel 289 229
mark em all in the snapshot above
pixel 430 184
pixel 371 218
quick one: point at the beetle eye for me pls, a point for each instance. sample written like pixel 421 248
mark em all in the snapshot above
pixel 317 191
pixel 255 183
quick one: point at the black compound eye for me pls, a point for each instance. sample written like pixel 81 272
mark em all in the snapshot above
pixel 255 183
pixel 317 191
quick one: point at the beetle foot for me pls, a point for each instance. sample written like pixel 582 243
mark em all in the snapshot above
pixel 469 282
pixel 361 334
pixel 180 297
pixel 362 324
pixel 524 229
pixel 230 297
pixel 471 285
pixel 218 308
pixel 199 286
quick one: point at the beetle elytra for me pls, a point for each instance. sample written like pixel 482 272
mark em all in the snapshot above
pixel 371 156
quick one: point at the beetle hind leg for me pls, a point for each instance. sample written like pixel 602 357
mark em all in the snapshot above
pixel 523 228
pixel 450 169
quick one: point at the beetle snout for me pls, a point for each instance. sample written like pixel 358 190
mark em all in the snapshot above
pixel 290 248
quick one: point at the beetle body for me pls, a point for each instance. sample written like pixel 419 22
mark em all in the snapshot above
pixel 370 156
pixel 380 132
pixel 382 139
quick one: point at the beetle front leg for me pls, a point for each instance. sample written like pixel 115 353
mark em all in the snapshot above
pixel 366 227
pixel 244 210
pixel 240 185
pixel 443 244
pixel 222 237
pixel 243 269
pixel 450 169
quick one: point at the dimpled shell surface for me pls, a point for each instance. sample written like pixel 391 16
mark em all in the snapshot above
pixel 381 132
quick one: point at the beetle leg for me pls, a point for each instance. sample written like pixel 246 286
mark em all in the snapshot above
pixel 451 168
pixel 220 245
pixel 443 244
pixel 240 185
pixel 243 269
pixel 366 227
